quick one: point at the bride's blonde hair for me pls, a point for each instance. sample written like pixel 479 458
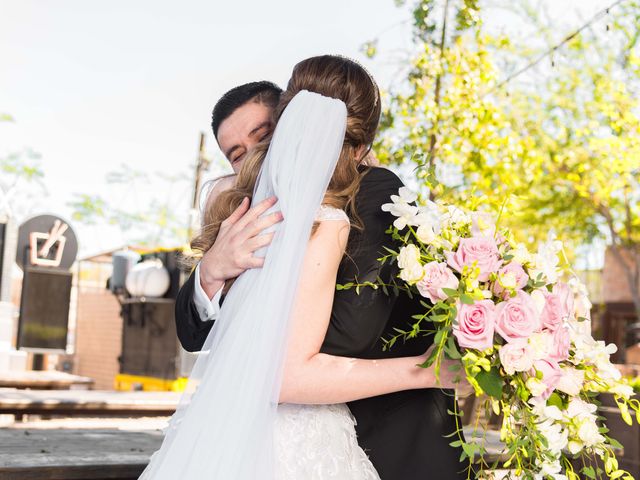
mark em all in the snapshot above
pixel 331 76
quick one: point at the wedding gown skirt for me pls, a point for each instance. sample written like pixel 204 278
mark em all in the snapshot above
pixel 318 442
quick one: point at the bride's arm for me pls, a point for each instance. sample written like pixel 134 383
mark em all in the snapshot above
pixel 314 377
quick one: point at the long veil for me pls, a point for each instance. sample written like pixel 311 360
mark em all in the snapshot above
pixel 223 426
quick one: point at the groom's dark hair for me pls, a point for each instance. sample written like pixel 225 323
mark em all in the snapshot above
pixel 267 93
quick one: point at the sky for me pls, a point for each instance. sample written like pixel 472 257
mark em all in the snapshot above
pixel 93 85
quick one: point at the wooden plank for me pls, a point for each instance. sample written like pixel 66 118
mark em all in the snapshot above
pixel 91 454
pixel 69 454
pixel 43 379
pixel 69 402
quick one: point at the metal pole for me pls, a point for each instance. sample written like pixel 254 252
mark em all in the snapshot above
pixel 201 165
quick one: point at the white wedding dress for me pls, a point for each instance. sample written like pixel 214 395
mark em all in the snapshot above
pixel 319 442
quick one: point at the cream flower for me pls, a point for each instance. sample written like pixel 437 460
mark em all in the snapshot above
pixel 400 208
pixel 571 381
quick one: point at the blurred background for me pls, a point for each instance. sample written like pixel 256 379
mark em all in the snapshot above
pixel 528 107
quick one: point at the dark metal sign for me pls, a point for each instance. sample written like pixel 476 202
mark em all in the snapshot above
pixel 46 241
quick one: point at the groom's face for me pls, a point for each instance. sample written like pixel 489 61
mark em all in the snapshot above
pixel 240 131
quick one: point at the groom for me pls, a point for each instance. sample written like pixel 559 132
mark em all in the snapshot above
pixel 393 429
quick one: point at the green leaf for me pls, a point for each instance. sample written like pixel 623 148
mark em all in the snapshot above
pixel 466 299
pixel 589 472
pixel 490 382
pixel 469 448
pixel 615 443
pixel 555 400
pixel 450 292
pixel 451 349
pixel 438 338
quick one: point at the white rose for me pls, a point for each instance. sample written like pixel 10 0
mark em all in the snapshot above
pixel 412 274
pixel 426 234
pixel 409 255
pixel 516 356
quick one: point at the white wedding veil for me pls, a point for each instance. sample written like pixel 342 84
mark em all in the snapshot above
pixel 223 426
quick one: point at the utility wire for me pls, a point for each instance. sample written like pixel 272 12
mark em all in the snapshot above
pixel 602 13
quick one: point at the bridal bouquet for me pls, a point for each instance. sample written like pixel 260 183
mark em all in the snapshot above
pixel 523 337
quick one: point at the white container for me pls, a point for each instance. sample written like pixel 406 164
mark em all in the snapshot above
pixel 148 279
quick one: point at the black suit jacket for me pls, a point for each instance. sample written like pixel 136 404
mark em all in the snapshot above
pixel 401 432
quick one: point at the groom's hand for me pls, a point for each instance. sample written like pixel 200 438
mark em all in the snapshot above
pixel 239 237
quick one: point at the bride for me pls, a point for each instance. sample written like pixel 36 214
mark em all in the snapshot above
pixel 262 401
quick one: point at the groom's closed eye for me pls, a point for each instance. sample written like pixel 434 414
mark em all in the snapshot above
pixel 236 153
pixel 261 131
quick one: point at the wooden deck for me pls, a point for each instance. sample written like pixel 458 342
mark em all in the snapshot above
pixel 37 452
pixel 87 402
pixel 74 454
pixel 44 379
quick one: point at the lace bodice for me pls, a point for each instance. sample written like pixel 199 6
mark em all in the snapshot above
pixel 326 212
pixel 319 442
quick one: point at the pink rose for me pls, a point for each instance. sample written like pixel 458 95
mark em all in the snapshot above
pixel 551 375
pixel 516 356
pixel 511 275
pixel 552 312
pixel 481 250
pixel 517 317
pixel 436 277
pixel 474 325
pixel 565 295
pixel 560 345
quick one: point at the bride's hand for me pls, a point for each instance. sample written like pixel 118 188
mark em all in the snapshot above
pixel 451 375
